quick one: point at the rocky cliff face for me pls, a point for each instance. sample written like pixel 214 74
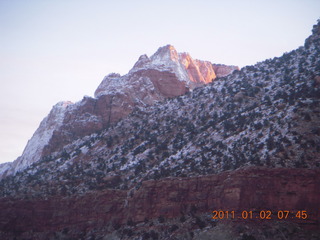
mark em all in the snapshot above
pixel 253 189
pixel 165 74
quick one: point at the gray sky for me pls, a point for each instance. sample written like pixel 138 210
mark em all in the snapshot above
pixel 60 50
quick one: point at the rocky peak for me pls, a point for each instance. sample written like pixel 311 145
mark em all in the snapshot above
pixel 142 61
pixel 193 72
pixel 109 80
pixel 164 54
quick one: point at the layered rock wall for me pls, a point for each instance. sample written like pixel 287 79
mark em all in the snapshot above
pixel 253 189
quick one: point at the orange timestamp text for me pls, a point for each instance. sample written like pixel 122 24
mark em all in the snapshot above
pixel 259 215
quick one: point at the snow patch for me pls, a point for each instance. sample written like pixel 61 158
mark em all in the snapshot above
pixel 41 137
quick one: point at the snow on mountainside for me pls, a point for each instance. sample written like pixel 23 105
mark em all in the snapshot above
pixel 193 73
pixel 246 142
pixel 41 137
pixel 165 74
pixel 5 167
pixel 263 115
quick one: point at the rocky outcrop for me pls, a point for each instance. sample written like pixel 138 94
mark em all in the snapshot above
pixel 198 71
pixel 252 189
pixel 165 74
pixel 222 70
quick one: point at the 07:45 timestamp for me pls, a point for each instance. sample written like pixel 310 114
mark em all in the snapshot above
pixel 262 215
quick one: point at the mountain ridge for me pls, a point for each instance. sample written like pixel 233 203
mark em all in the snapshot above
pixel 265 114
pixel 150 80
pixel 155 173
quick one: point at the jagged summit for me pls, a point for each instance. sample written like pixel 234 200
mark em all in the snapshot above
pixel 142 61
pixel 166 60
pixel 162 57
pixel 110 83
pixel 165 53
pixel 165 74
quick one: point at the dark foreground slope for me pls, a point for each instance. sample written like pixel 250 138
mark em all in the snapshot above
pixel 265 116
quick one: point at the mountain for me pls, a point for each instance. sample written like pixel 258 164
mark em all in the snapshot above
pixel 165 74
pixel 248 142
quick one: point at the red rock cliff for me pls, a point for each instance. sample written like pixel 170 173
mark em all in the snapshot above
pixel 252 189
